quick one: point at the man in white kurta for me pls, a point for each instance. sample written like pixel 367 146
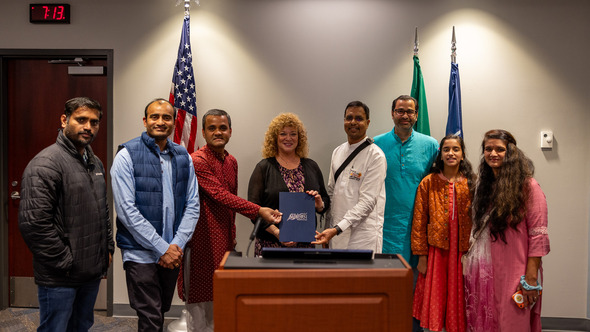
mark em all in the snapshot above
pixel 355 220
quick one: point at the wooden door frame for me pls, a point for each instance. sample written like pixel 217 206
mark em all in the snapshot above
pixel 7 54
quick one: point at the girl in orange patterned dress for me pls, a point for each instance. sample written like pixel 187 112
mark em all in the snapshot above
pixel 440 236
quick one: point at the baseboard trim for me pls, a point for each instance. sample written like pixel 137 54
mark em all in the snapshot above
pixel 549 323
pixel 125 310
pixel 568 324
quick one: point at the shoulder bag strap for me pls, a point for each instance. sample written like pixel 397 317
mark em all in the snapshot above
pixel 356 151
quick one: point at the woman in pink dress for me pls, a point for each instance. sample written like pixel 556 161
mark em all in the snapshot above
pixel 440 235
pixel 509 238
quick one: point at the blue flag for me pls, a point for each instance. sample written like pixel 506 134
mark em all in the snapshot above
pixel 455 119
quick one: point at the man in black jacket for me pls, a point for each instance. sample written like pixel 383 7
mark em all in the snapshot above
pixel 63 217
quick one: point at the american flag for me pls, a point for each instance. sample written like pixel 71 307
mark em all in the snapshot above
pixel 183 94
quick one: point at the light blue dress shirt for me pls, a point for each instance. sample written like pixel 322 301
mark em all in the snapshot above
pixel 123 183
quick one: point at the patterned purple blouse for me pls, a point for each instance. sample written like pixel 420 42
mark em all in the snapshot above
pixel 293 178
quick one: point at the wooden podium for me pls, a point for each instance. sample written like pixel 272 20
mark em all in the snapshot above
pixel 377 297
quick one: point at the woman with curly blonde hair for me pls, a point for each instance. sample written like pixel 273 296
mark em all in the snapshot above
pixel 285 168
pixel 270 148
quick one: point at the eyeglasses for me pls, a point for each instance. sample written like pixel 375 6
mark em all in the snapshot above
pixel 402 111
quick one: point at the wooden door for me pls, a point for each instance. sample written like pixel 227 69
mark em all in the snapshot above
pixel 36 93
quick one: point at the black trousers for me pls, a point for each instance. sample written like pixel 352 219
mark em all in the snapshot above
pixel 151 289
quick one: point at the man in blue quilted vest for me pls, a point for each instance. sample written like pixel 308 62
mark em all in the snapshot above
pixel 157 203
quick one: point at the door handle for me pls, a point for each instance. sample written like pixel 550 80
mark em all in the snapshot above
pixel 15 195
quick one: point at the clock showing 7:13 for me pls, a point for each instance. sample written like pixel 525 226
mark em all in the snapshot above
pixel 49 13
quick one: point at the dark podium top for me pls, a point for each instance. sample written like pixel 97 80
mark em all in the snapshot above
pixel 313 259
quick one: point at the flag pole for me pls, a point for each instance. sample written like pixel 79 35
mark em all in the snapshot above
pixel 183 89
pixel 418 92
pixel 416 42
pixel 453 47
pixel 455 118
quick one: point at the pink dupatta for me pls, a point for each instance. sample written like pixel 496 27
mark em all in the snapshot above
pixel 478 275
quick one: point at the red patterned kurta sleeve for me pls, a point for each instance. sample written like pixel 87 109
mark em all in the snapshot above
pixel 210 185
pixel 536 221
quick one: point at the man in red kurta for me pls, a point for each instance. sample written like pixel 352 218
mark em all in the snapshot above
pixel 215 233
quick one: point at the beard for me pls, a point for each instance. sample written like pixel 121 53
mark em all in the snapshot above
pixel 77 138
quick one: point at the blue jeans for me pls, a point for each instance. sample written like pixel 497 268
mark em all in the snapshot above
pixel 67 308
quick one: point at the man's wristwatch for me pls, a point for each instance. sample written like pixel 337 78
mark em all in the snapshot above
pixel 338 229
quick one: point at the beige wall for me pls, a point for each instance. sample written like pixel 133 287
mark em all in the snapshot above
pixel 523 68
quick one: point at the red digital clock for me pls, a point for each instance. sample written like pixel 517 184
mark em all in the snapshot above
pixel 49 13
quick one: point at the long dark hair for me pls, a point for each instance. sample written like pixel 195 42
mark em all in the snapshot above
pixel 465 168
pixel 502 197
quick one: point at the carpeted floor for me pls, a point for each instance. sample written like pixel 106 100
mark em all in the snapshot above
pixel 27 320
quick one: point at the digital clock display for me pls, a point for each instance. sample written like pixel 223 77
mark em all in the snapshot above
pixel 49 13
